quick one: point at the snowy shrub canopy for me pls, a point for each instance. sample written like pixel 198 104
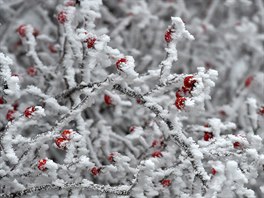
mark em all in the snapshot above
pixel 131 98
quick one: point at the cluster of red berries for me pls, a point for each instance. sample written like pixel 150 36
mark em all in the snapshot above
pixel 189 83
pixel 21 30
pixel 61 141
pixel 119 63
pixel 27 113
pixel 62 17
pixel 156 143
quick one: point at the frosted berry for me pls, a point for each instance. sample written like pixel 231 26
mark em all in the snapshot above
pixel 10 115
pixel 90 42
pixel 111 157
pixel 236 144
pixel 2 101
pixel 189 82
pixel 32 71
pixel 52 49
pixel 35 32
pixel 248 81
pixel 67 134
pixel 61 142
pixel 156 154
pixel 15 105
pixel 167 36
pixel 165 182
pixel 186 90
pixel 42 164
pixel 180 102
pixel 95 171
pixel 21 30
pixel 213 171
pixel 179 93
pixel 154 143
pixel 107 100
pixel 139 101
pixel 119 62
pixel 28 112
pixel 208 136
pixel 261 111
pixel 132 129
pixel 62 17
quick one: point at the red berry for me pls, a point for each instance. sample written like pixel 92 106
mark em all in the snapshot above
pixel 189 82
pixel 156 154
pixel 222 113
pixel 61 142
pixel 213 171
pixel 119 62
pixel 178 93
pixel 67 133
pixel 185 90
pixel 261 110
pixel 28 112
pixel 52 49
pixel 10 115
pixel 2 101
pixel 18 43
pixel 95 171
pixel 179 103
pixel 62 17
pixel 42 164
pixel 21 30
pixel 139 101
pixel 154 143
pixel 132 129
pixel 15 105
pixel 90 42
pixel 236 144
pixel 111 157
pixel 35 32
pixel 167 36
pixel 32 71
pixel 107 99
pixel 166 182
pixel 248 81
pixel 208 136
